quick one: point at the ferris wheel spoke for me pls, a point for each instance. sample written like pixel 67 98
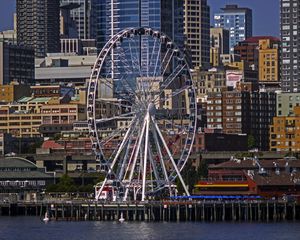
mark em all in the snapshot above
pixel 170 79
pixel 171 158
pixel 145 156
pixel 174 94
pixel 118 117
pixel 152 55
pixel 167 63
pixel 112 102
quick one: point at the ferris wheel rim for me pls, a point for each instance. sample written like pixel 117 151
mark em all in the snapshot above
pixel 97 69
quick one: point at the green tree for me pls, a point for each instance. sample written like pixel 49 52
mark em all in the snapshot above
pixel 202 170
pixel 251 142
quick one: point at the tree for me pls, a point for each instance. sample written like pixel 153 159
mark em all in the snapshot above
pixel 251 142
pixel 202 170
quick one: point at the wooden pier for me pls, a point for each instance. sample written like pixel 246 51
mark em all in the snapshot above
pixel 157 211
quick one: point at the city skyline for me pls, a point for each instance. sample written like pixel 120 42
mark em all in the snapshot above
pixel 261 24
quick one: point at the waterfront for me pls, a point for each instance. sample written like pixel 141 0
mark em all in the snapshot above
pixel 32 228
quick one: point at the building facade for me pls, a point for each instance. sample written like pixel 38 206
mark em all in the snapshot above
pixel 219 45
pixel 269 61
pixel 262 54
pixel 290 64
pixel 16 64
pixel 197 31
pixel 38 25
pixel 262 111
pixel 285 103
pixel 84 16
pixel 13 92
pixel 285 133
pixel 161 15
pixel 237 20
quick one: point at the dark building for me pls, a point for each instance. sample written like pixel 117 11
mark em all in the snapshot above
pixel 16 64
pixel 290 62
pixel 21 179
pixel 38 25
pixel 225 142
pixel 263 109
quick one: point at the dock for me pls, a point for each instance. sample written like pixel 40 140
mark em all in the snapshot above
pixel 170 211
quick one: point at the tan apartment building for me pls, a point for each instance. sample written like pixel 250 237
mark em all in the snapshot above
pixel 285 132
pixel 268 61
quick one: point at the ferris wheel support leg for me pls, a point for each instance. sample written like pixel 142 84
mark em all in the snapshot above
pixel 114 162
pixel 172 159
pixel 162 160
pixel 145 156
pixel 135 159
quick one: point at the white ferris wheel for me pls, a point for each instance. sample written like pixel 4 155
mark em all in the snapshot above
pixel 142 113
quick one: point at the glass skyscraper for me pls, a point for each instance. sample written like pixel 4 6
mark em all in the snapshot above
pixel 161 15
pixel 237 20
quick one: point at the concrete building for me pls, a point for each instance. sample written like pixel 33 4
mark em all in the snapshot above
pixel 214 111
pixel 237 20
pixel 197 31
pixel 63 68
pixel 16 64
pixel 285 103
pixel 13 92
pixel 219 45
pixel 236 112
pixel 284 132
pixel 38 25
pixel 290 64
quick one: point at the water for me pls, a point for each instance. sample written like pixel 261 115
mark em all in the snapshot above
pixel 31 228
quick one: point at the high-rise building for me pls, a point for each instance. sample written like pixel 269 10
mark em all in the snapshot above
pixel 197 31
pixel 38 25
pixel 83 16
pixel 237 20
pixel 219 45
pixel 162 15
pixel 289 29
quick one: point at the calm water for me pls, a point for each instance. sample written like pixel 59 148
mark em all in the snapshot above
pixel 29 228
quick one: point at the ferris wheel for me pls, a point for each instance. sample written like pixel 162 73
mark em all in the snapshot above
pixel 142 113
